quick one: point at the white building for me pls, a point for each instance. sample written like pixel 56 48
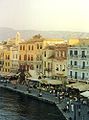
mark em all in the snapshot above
pixel 78 60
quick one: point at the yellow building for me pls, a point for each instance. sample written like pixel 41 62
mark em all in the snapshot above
pixel 31 53
pixel 7 62
pixel 1 56
pixel 10 54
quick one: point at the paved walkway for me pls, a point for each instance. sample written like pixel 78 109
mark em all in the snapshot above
pixel 46 96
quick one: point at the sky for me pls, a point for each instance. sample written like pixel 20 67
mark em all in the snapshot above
pixel 54 15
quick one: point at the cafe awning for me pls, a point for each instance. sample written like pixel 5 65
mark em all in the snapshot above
pixel 34 79
pixel 79 85
pixel 85 94
pixel 51 82
pixel 11 74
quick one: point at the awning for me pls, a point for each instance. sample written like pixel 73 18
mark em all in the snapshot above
pixel 52 82
pixel 3 74
pixel 34 79
pixel 11 74
pixel 79 85
pixel 85 94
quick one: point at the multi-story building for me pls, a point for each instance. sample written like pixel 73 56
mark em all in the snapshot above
pixel 7 62
pixel 78 59
pixel 55 60
pixel 31 53
pixel 1 56
pixel 10 54
pixel 14 59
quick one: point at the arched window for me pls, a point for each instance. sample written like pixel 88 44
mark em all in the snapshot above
pixel 32 47
pixel 24 47
pixel 25 57
pixel 19 57
pixel 20 47
pixel 29 47
pixel 37 46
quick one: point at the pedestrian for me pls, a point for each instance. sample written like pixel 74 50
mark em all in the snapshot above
pixel 72 107
pixel 68 103
pixel 67 107
pixel 88 112
pixel 79 111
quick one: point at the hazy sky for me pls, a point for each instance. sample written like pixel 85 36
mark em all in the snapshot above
pixel 72 15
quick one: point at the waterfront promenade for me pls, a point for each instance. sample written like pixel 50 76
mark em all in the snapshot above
pixel 51 98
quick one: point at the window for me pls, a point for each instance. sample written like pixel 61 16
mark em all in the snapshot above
pixel 19 57
pixel 76 52
pixel 71 63
pixel 32 47
pixel 28 57
pixel 76 75
pixel 75 62
pixel 83 53
pixel 37 46
pixel 44 53
pixel 31 67
pixel 31 57
pixel 29 47
pixel 24 47
pixel 83 76
pixel 71 74
pixel 71 53
pixel 57 69
pixel 20 47
pixel 44 64
pixel 25 57
pixel 8 57
pixel 37 66
pixel 83 65
pixel 40 46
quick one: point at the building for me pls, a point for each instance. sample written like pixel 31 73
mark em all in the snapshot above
pixel 55 60
pixel 10 54
pixel 31 54
pixel 78 59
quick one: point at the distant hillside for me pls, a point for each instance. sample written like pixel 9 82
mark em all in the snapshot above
pixel 6 33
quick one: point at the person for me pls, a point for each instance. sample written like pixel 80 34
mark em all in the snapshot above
pixel 72 107
pixel 67 107
pixel 68 103
pixel 79 111
pixel 88 112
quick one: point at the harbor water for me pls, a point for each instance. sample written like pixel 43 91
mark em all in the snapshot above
pixel 15 106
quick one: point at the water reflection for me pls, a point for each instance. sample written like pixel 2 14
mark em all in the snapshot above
pixel 18 107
